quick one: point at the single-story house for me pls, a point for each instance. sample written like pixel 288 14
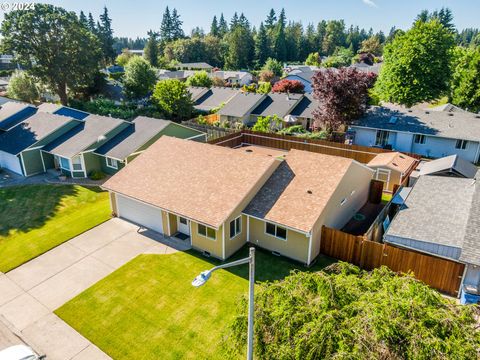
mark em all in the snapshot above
pixel 452 165
pixel 195 189
pixel 72 153
pixel 239 108
pixel 303 111
pixel 304 76
pixel 13 113
pixel 212 98
pixel 21 146
pixel 59 109
pixel 441 217
pixel 234 77
pixel 222 198
pixel 138 136
pixel 432 134
pixel 392 168
pixel 280 104
pixel 308 190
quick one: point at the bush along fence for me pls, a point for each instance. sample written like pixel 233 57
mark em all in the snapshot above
pixel 362 154
pixel 441 274
pixel 213 132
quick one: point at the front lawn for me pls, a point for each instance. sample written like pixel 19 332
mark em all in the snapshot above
pixel 148 309
pixel 36 218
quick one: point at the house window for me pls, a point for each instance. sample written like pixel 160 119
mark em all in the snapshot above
pixel 64 163
pixel 112 163
pixel 419 139
pixel 235 227
pixel 275 230
pixel 382 138
pixel 461 144
pixel 344 200
pixel 383 175
pixel 206 231
pixel 77 163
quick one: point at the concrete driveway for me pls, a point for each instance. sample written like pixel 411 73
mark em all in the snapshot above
pixel 30 293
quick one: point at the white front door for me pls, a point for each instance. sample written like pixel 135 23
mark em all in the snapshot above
pixel 183 225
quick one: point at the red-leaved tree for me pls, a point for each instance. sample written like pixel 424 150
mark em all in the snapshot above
pixel 342 95
pixel 291 86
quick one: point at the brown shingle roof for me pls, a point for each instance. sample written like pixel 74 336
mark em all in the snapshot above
pixel 199 181
pixel 285 197
pixel 393 160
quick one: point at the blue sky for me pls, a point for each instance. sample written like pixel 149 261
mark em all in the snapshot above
pixel 135 17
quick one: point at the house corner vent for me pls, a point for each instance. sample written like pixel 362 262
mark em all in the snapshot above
pixel 276 253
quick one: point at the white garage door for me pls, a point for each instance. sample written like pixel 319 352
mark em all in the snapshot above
pixel 139 213
pixel 10 162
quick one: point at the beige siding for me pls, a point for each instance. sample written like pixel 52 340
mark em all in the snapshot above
pixel 166 228
pixel 202 243
pixel 357 179
pixel 395 178
pixel 232 245
pixel 295 247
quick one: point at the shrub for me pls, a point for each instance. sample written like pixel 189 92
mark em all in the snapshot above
pixel 274 66
pixel 23 87
pixel 291 86
pixel 200 78
pixel 268 124
pixel 267 76
pixel 97 175
pixel 264 87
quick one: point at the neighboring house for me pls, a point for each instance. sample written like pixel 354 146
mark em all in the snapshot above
pixel 447 108
pixel 308 190
pixel 239 108
pixel 303 112
pixel 136 138
pixel 21 146
pixel 234 77
pixel 213 98
pixel 392 168
pixel 452 165
pixel 305 77
pixel 72 153
pixel 196 92
pixel 280 104
pixel 198 190
pixel 114 69
pixel 13 113
pixel 375 68
pixel 194 66
pixel 59 109
pixel 181 75
pixel 428 133
pixel 136 52
pixel 441 217
pixel 228 197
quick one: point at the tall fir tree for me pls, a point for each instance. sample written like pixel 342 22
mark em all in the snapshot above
pixel 271 20
pixel 177 31
pixel 91 24
pixel 105 34
pixel 166 26
pixel 214 30
pixel 262 51
pixel 152 51
pixel 243 21
pixel 234 21
pixel 222 26
pixel 280 45
pixel 83 19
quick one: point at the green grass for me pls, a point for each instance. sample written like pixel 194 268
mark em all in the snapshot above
pixel 148 309
pixel 386 197
pixel 36 218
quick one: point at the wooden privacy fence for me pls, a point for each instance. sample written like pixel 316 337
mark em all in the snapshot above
pixel 362 154
pixel 442 274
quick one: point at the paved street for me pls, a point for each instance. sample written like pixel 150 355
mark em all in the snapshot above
pixel 30 293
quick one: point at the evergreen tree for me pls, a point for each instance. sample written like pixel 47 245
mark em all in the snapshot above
pixel 279 44
pixel 166 26
pixel 222 26
pixel 243 21
pixel 83 19
pixel 234 21
pixel 262 52
pixel 271 20
pixel 177 31
pixel 241 48
pixel 91 24
pixel 321 32
pixel 105 33
pixel 214 30
pixel 151 51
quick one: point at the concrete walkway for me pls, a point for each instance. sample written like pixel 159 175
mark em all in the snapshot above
pixel 30 293
pixel 8 178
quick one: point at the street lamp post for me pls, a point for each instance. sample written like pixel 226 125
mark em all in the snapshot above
pixel 205 275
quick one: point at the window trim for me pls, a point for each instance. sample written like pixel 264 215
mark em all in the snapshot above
pixel 387 132
pixel 206 232
pixel 60 158
pixel 238 231
pixel 462 142
pixel 79 157
pixel 111 165
pixel 276 227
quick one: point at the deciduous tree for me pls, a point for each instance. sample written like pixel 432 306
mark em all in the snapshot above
pixel 465 84
pixel 23 87
pixel 139 78
pixel 173 98
pixel 200 78
pixel 290 86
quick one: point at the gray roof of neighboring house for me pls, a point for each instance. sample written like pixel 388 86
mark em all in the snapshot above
pixel 241 104
pixel 88 132
pixel 279 104
pixel 195 65
pixel 8 112
pixel 230 74
pixel 197 91
pixel 471 246
pixel 30 131
pixel 459 125
pixel 449 164
pixel 438 210
pixel 447 108
pixel 305 75
pixel 48 107
pixel 305 107
pixel 375 68
pixel 133 137
pixel 214 97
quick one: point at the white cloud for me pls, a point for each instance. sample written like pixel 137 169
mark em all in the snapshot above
pixel 369 3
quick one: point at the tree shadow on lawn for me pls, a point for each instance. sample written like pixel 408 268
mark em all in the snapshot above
pixel 268 267
pixel 28 207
